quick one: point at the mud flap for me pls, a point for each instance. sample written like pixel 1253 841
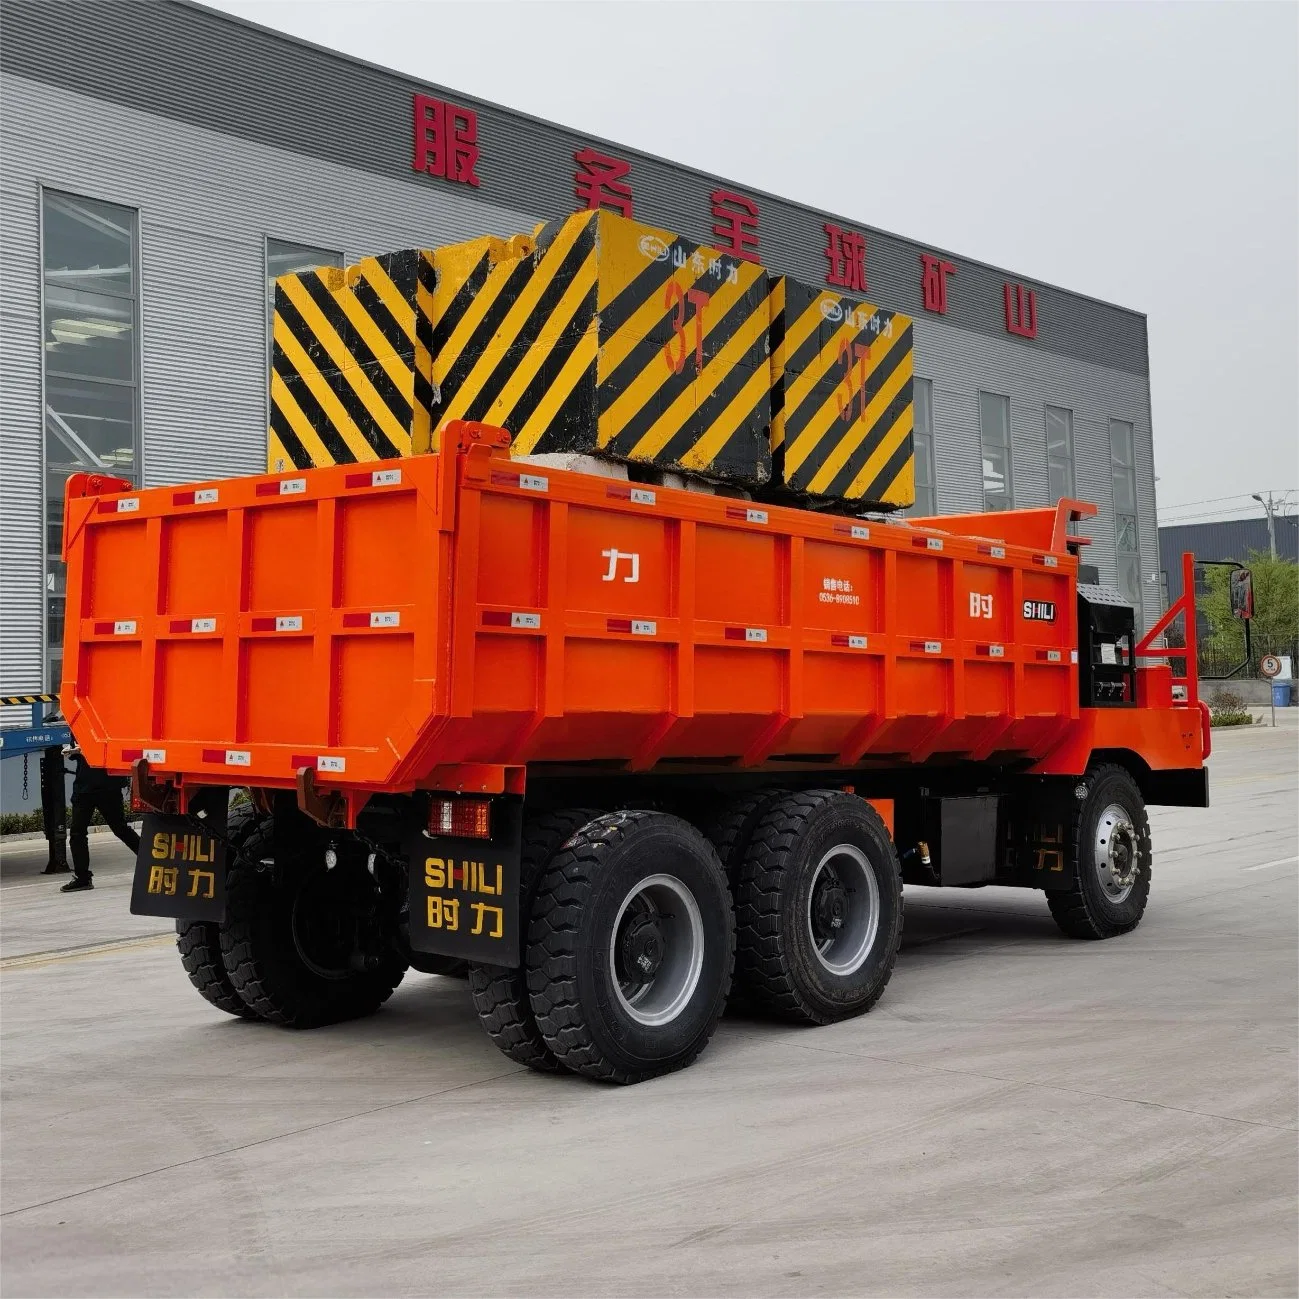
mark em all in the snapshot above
pixel 180 870
pixel 465 893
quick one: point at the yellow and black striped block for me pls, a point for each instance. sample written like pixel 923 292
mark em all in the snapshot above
pixel 348 381
pixel 612 338
pixel 842 423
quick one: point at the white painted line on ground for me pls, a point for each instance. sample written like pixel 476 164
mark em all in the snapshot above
pixel 1280 861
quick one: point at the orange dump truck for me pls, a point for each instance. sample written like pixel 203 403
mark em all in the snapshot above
pixel 611 745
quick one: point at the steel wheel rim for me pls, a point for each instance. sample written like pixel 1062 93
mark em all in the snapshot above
pixel 655 987
pixel 1116 853
pixel 845 876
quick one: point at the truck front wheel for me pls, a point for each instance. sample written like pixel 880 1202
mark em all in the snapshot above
pixel 818 908
pixel 304 944
pixel 630 947
pixel 1109 855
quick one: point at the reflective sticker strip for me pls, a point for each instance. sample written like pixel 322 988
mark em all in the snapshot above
pixel 636 626
pixel 124 627
pixel 994 651
pixel 749 516
pixel 327 763
pixel 625 492
pixel 643 496
pixel 534 483
pixel 291 623
pixel 1073 656
pixel 390 619
pixel 848 642
pixel 860 533
pixel 843 406
pixel 285 487
pixel 1047 561
pixel 499 618
pixel 997 552
pixel 128 505
pixel 1050 656
pixel 927 543
pixel 229 757
pixel 926 647
pixel 529 620
pixel 753 635
pixel 207 496
pixel 154 755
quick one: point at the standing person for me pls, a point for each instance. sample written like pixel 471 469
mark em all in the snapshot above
pixel 92 788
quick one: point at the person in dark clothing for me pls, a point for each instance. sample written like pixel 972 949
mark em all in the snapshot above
pixel 94 788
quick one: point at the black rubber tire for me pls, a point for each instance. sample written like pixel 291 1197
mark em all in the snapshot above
pixel 776 961
pixel 501 995
pixel 261 957
pixel 730 827
pixel 199 941
pixel 1084 911
pixel 572 988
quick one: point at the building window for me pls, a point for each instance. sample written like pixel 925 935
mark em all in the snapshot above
pixel 284 258
pixel 90 301
pixel 1059 451
pixel 923 440
pixel 1127 548
pixel 994 433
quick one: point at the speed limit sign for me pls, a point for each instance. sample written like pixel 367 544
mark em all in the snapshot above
pixel 1270 666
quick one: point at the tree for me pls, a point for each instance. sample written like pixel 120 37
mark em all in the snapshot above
pixel 1275 627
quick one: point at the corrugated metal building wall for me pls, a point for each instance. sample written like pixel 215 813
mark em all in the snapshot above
pixel 222 134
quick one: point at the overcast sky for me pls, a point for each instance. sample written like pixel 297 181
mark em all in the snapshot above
pixel 1147 154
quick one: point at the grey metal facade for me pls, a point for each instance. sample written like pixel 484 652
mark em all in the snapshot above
pixel 221 134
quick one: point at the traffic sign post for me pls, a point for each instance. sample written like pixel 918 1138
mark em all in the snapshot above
pixel 1270 666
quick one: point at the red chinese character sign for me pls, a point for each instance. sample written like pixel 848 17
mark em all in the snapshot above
pixel 601 182
pixel 446 140
pixel 845 250
pixel 933 282
pixel 1021 310
pixel 735 223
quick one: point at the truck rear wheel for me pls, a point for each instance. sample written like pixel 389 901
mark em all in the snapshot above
pixel 199 941
pixel 501 995
pixel 818 905
pixel 630 947
pixel 1109 853
pixel 304 945
pixel 731 827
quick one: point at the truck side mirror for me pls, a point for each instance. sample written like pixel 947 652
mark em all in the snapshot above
pixel 1241 592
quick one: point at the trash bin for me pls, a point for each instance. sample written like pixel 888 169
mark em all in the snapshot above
pixel 1281 694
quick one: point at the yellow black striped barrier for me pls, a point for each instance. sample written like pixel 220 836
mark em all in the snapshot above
pixel 28 699
pixel 596 335
pixel 843 423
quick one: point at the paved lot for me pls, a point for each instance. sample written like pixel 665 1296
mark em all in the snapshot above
pixel 1020 1115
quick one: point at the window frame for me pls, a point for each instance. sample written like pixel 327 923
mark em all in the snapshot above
pixel 1131 469
pixel 1072 461
pixel 136 298
pixel 923 445
pixel 1009 450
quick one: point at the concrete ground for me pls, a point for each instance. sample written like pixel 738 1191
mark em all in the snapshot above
pixel 1020 1115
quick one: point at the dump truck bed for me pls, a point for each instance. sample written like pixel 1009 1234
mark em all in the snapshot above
pixel 444 620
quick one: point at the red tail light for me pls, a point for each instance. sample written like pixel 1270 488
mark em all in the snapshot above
pixel 462 818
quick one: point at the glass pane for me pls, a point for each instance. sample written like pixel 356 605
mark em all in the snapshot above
pixel 996 478
pixel 1121 443
pixel 1130 579
pixel 1059 433
pixel 924 400
pixel 1060 478
pixel 87 244
pixel 283 258
pixel 1125 492
pixel 994 419
pixel 89 334
pixel 1125 532
pixel 88 426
